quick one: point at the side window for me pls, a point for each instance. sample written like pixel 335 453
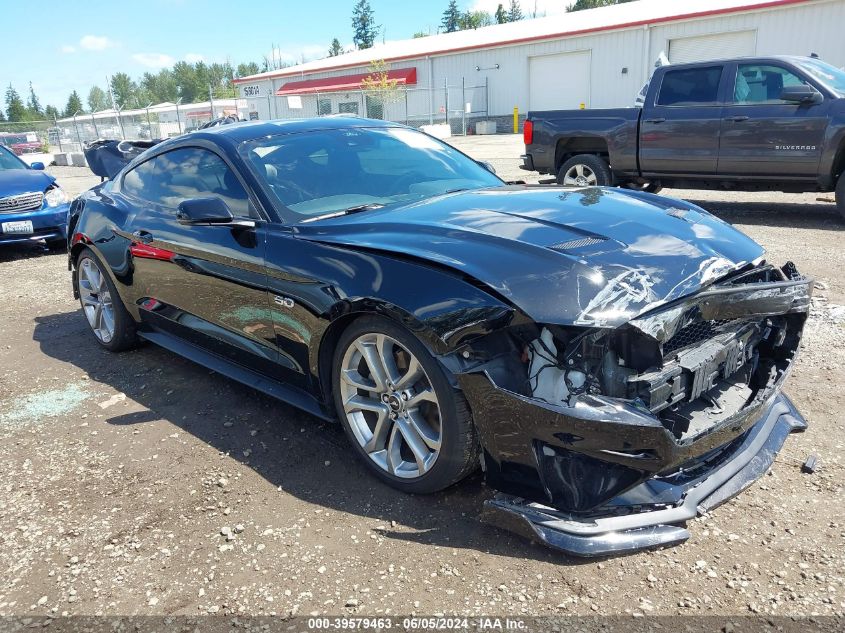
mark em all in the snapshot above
pixel 690 87
pixel 762 84
pixel 143 181
pixel 198 173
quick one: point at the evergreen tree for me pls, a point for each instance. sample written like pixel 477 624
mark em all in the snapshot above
pixel 97 99
pixel 515 12
pixel 501 15
pixel 451 21
pixel 15 108
pixel 335 49
pixel 51 113
pixel 33 104
pixel 74 104
pixel 364 25
pixel 2 116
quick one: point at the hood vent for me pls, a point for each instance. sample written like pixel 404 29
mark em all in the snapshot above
pixel 579 243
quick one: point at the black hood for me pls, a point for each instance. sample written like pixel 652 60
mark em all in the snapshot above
pixel 583 257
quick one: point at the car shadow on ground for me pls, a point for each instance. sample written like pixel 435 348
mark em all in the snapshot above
pixel 290 449
pixel 25 250
pixel 821 216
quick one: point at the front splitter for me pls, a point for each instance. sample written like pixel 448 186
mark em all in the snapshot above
pixel 616 534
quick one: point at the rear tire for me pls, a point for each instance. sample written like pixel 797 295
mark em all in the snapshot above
pixel 110 323
pixel 585 170
pixel 840 195
pixel 404 419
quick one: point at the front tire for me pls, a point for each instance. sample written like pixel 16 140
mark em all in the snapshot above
pixel 107 317
pixel 648 187
pixel 585 170
pixel 412 429
pixel 840 195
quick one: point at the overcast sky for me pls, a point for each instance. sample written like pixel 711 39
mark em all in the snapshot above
pixel 62 46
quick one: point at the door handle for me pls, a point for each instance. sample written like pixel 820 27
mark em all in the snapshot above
pixel 144 237
pixel 736 119
pixel 659 120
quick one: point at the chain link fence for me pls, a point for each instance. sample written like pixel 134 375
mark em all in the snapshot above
pixel 460 106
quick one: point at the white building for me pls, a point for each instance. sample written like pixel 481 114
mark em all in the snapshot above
pixel 598 58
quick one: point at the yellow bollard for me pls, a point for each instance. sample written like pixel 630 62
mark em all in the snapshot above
pixel 516 120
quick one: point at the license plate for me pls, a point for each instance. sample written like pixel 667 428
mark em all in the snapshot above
pixel 24 227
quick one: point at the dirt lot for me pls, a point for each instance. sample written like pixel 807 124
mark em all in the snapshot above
pixel 141 483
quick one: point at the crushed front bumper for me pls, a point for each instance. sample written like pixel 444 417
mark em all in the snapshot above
pixel 653 513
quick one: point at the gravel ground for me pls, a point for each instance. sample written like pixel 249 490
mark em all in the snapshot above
pixel 141 483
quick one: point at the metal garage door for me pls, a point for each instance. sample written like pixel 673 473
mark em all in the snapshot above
pixel 559 82
pixel 716 46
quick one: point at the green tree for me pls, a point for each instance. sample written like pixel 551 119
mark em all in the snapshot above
pixel 364 28
pixel 245 70
pixel 97 99
pixel 158 87
pixel 188 83
pixel 123 89
pixel 420 34
pixel 581 5
pixel 51 113
pixel 15 108
pixel 2 116
pixel 501 15
pixel 475 20
pixel 451 21
pixel 34 105
pixel 74 104
pixel 515 12
pixel 335 49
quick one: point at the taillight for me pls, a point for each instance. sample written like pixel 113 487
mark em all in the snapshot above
pixel 528 132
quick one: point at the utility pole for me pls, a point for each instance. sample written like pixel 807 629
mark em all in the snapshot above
pixel 211 100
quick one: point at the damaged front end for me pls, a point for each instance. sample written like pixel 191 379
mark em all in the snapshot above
pixel 608 440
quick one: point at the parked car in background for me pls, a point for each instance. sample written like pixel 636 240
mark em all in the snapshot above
pixel 772 123
pixel 32 205
pixel 21 142
pixel 613 359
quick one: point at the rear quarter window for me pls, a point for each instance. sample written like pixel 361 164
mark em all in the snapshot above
pixel 690 86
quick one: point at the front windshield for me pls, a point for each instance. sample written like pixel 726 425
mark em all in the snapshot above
pixel 9 161
pixel 328 171
pixel 830 76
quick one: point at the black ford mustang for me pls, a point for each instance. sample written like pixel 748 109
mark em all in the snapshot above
pixel 613 360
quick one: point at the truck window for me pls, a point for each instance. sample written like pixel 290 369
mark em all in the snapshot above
pixel 757 83
pixel 690 86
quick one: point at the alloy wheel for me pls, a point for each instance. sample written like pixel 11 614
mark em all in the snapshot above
pixel 580 176
pixel 391 405
pixel 96 300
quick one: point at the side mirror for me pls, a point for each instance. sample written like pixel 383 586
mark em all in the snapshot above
pixel 38 165
pixel 210 210
pixel 801 94
pixel 487 166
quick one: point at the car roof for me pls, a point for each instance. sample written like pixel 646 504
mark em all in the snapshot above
pixel 745 60
pixel 248 130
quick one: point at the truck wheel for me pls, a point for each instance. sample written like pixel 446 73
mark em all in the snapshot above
pixel 584 170
pixel 840 195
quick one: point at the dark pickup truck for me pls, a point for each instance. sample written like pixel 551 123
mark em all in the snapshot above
pixel 750 124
